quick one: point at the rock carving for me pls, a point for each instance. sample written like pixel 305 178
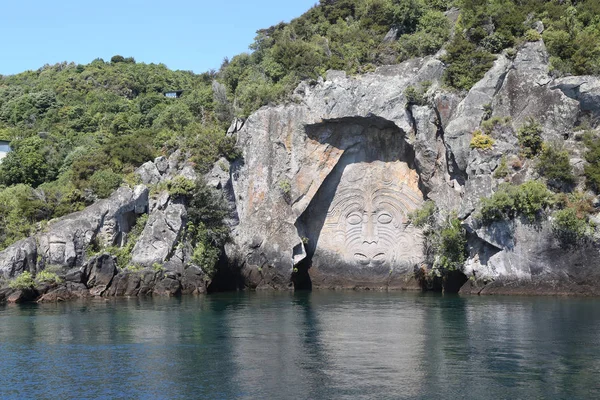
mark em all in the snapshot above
pixel 366 223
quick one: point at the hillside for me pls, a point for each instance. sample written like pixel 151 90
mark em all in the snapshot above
pixel 78 132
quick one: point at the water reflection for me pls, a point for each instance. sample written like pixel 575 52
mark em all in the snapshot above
pixel 317 345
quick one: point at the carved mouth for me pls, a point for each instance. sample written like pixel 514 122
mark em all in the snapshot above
pixel 376 259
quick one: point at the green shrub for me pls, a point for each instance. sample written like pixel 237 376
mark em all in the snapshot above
pixel 509 201
pixel 424 215
pixel 414 96
pixel 490 124
pixel 452 245
pixel 22 282
pixel 502 170
pixel 592 166
pixel 532 35
pixel 206 229
pixel 555 166
pixel 181 186
pixel 156 267
pixel 48 277
pixel 481 141
pixel 104 182
pixel 530 138
pixel 569 228
pixel 285 186
pixel 467 63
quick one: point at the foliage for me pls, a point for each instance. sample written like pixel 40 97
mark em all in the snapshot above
pixel 23 281
pixel 466 63
pixel 529 199
pixel 568 227
pixel 490 124
pixel 48 277
pixel 415 96
pixel 345 35
pixel 285 186
pixel 502 170
pixel 181 186
pixel 554 164
pixel 592 166
pixel 206 229
pixel 481 141
pixel 532 35
pixel 530 138
pixel 452 247
pixel 104 182
pixel 424 215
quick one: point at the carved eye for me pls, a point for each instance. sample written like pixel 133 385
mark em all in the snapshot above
pixel 384 218
pixel 354 219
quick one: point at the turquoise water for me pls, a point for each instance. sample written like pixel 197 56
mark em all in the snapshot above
pixel 320 345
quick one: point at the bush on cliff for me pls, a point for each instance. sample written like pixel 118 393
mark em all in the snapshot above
pixel 529 199
pixel 530 138
pixel 592 166
pixel 24 281
pixel 554 165
pixel 206 230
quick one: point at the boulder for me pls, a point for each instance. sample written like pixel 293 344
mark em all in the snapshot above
pixel 99 272
pixel 18 258
pixel 148 173
pixel 161 233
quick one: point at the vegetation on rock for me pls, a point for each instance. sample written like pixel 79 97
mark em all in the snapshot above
pixel 529 199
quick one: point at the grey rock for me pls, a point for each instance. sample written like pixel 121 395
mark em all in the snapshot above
pixel 584 89
pixel 236 126
pixel 107 222
pixel 470 111
pixel 168 287
pixel 160 235
pixel 162 164
pixel 18 258
pixel 148 173
pixel 219 175
pixel 99 273
pixel 529 259
pixel 527 92
pixel 391 35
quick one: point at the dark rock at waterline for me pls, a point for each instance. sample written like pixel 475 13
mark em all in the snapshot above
pixel 22 296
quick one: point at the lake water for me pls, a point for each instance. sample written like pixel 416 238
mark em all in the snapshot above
pixel 320 345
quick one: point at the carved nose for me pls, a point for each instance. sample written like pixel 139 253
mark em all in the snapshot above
pixel 369 231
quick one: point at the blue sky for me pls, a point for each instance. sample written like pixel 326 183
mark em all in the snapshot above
pixel 183 34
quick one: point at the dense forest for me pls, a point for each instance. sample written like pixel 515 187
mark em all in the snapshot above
pixel 77 132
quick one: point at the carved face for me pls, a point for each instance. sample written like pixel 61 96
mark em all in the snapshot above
pixel 366 223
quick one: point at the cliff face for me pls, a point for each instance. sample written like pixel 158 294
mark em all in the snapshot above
pixel 322 193
pixel 326 182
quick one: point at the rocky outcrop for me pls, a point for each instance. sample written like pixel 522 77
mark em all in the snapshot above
pixel 322 193
pixel 307 188
pixel 158 264
pixel 64 241
pixel 161 233
pixel 519 257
